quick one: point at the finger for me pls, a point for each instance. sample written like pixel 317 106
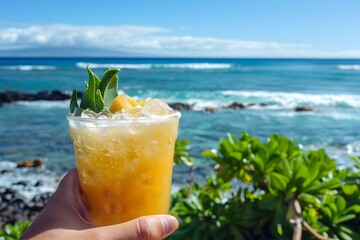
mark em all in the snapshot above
pixel 65 206
pixel 64 209
pixel 69 180
pixel 68 193
pixel 144 228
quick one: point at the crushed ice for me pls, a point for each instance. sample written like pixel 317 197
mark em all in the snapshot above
pixel 104 114
pixel 153 108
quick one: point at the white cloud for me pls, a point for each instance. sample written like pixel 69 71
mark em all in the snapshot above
pixel 70 35
pixel 209 44
pixel 149 39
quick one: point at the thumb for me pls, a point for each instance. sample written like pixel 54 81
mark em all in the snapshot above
pixel 144 228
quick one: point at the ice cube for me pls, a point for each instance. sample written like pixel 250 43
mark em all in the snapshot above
pixel 104 114
pixel 88 113
pixel 122 115
pixel 155 107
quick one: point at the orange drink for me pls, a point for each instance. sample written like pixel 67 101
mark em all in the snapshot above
pixel 124 165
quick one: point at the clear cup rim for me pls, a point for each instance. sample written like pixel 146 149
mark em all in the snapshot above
pixel 175 115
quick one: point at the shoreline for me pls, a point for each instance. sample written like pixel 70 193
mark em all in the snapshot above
pixel 8 97
pixel 26 186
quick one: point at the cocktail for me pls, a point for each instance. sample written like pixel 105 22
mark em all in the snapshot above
pixel 124 155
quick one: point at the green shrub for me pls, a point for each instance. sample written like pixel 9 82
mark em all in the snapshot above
pixel 13 232
pixel 271 190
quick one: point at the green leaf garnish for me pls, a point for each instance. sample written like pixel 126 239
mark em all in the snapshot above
pixel 88 98
pixel 99 102
pixel 111 90
pixel 73 102
pixel 108 75
pixel 98 94
pixel 97 80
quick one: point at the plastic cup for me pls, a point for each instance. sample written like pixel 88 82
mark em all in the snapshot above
pixel 125 166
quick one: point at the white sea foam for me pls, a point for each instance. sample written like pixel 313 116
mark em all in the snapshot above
pixel 355 67
pixel 292 99
pixel 196 66
pixel 113 65
pixel 341 115
pixel 353 148
pixel 220 99
pixel 29 176
pixel 332 115
pixel 28 67
pixel 45 104
pixel 201 104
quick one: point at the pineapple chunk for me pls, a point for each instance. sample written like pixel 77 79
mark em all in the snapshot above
pixel 132 101
pixel 142 103
pixel 121 102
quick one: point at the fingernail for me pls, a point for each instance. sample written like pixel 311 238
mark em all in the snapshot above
pixel 169 223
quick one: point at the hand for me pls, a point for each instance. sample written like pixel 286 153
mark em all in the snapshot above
pixel 65 217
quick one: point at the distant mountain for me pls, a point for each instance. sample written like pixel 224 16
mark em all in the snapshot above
pixel 68 52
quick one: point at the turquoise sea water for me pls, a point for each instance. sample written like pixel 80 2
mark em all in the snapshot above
pixel 332 87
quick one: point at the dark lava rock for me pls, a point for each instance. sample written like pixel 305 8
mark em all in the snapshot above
pixel 180 106
pixel 11 96
pixel 304 109
pixel 39 183
pixel 209 109
pixel 41 199
pixel 6 195
pixel 236 105
pixel 23 183
pixel 31 163
pixel 51 96
pixel 4 171
pixel 15 208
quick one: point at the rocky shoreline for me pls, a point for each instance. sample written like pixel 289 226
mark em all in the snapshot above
pixel 15 208
pixel 8 97
pixel 24 190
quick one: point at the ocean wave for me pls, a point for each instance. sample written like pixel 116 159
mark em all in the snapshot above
pixel 28 67
pixel 45 104
pixel 335 115
pixel 355 67
pixel 262 100
pixel 30 176
pixel 293 99
pixel 353 148
pixel 195 66
pixel 201 104
pixel 113 65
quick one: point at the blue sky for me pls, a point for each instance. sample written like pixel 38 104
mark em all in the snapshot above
pixel 267 28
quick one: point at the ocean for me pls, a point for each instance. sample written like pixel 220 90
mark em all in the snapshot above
pixel 331 87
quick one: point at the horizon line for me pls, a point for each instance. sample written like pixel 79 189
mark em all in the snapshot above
pixel 191 57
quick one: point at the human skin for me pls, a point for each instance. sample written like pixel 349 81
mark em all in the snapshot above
pixel 65 217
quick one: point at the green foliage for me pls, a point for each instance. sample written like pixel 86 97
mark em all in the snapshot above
pixel 181 152
pixel 73 102
pixel 12 232
pixel 98 93
pixel 260 190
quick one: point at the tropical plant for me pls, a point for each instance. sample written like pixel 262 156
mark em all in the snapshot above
pixel 271 190
pixel 13 232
